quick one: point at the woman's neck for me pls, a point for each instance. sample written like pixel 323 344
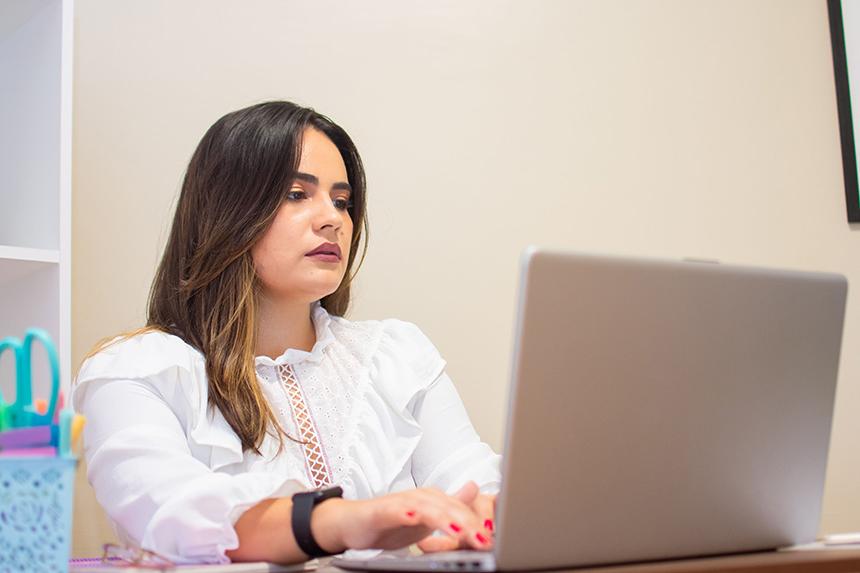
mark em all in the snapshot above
pixel 283 325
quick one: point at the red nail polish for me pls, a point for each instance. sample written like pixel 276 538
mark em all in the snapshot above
pixel 488 524
pixel 410 514
pixel 481 538
pixel 455 528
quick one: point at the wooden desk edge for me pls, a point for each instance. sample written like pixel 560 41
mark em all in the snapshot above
pixel 839 560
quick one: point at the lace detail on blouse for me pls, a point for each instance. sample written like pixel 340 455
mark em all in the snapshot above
pixel 316 463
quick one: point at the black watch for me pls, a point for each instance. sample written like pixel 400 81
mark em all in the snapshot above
pixel 303 504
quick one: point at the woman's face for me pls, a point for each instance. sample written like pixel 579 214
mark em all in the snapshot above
pixel 303 255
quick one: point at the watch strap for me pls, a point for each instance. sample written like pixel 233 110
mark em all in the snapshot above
pixel 303 506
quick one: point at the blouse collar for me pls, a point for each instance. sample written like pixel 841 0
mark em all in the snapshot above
pixel 322 326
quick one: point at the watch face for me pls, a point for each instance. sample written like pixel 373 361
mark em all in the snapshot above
pixel 328 493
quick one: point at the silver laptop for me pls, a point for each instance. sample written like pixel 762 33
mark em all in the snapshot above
pixel 659 409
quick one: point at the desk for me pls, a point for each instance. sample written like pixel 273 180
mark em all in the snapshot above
pixel 836 560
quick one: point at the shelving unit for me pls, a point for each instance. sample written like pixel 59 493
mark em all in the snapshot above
pixel 35 180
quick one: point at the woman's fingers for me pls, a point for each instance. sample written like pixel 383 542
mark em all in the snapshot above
pixel 483 505
pixel 468 492
pixel 485 508
pixel 450 515
pixel 437 543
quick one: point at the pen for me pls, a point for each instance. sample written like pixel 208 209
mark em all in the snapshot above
pixel 77 427
pixel 61 403
pixel 65 441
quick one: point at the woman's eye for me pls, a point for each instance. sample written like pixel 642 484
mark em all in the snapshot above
pixel 296 195
pixel 342 204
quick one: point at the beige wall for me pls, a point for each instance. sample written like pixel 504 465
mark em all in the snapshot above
pixel 663 128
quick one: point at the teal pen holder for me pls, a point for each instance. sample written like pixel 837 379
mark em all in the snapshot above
pixel 36 495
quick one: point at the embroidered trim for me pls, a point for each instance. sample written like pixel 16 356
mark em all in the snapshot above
pixel 316 463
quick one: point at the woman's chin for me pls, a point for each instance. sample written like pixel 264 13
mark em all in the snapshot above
pixel 310 290
pixel 312 295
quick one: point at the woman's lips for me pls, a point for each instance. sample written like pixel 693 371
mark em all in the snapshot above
pixel 324 257
pixel 327 253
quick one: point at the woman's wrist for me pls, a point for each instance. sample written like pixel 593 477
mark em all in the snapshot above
pixel 326 521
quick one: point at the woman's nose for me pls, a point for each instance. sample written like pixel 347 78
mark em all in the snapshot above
pixel 327 214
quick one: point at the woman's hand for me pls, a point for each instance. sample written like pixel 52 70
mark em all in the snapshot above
pixel 401 519
pixel 483 505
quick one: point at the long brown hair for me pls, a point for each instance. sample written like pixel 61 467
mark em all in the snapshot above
pixel 205 289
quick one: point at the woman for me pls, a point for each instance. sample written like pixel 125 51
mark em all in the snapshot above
pixel 247 387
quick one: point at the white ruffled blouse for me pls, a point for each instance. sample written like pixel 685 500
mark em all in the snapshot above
pixel 171 473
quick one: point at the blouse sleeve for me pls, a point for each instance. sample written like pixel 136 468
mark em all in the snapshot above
pixel 449 452
pixel 145 413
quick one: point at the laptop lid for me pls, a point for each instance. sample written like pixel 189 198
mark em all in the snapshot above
pixel 663 409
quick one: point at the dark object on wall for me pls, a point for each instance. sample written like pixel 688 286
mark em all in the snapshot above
pixel 843 100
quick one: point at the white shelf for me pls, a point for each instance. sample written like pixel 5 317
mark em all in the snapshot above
pixel 18 262
pixel 26 254
pixel 36 58
pixel 31 107
pixel 14 270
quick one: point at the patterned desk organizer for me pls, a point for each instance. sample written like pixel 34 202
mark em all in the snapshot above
pixel 36 496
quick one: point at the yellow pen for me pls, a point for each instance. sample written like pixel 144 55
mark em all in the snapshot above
pixel 77 428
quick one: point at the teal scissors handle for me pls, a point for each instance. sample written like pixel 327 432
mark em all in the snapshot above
pixel 13 344
pixel 22 412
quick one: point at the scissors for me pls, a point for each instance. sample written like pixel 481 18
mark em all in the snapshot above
pixel 22 412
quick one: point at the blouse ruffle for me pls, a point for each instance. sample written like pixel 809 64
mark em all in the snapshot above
pixel 403 364
pixel 177 371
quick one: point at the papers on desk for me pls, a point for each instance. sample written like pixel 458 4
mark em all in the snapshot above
pixel 842 539
pixel 96 566
pixel 832 541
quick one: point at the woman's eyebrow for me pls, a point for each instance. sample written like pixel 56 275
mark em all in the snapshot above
pixel 314 180
pixel 308 178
